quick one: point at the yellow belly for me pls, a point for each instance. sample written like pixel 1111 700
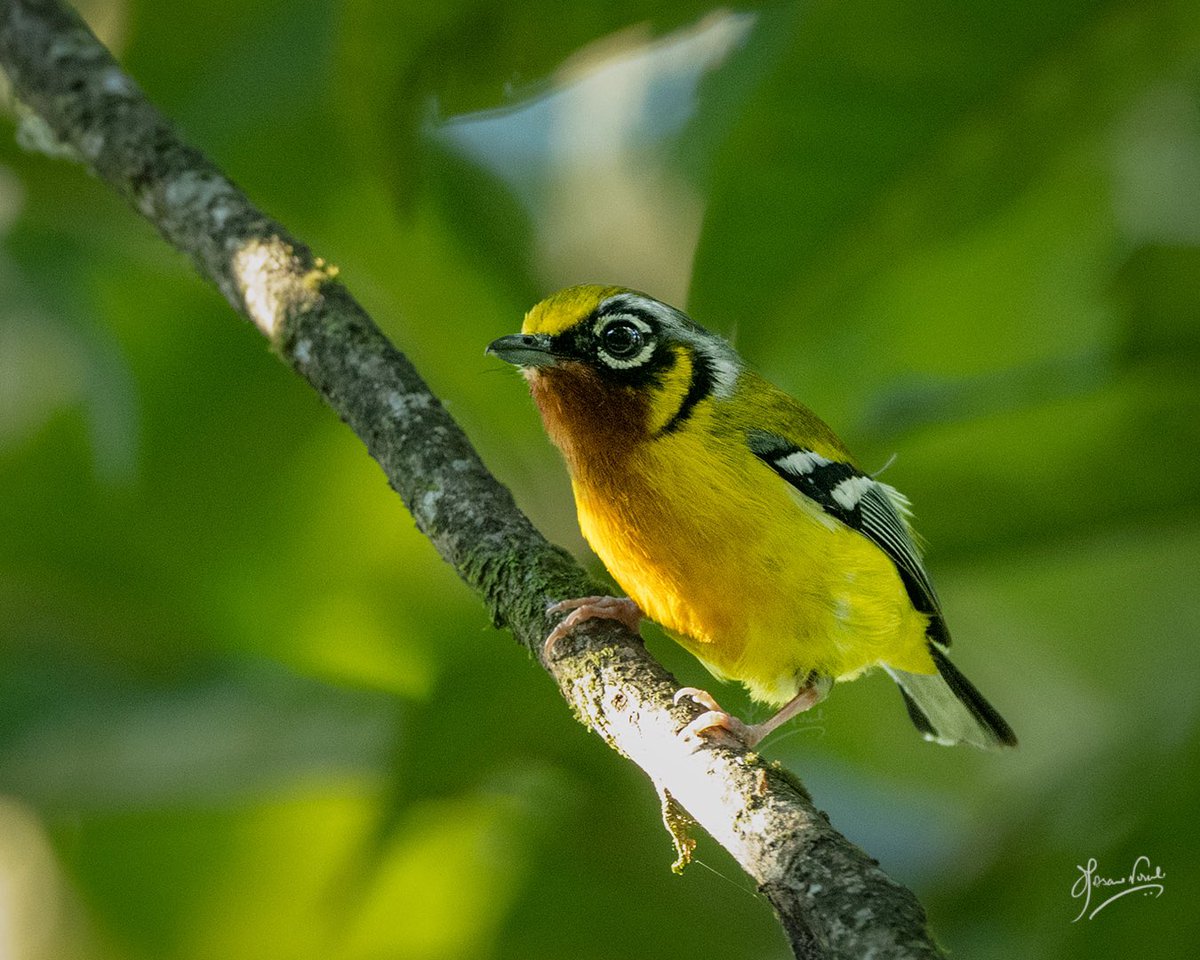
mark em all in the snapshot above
pixel 754 580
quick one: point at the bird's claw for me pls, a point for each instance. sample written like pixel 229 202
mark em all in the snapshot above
pixel 713 717
pixel 621 609
pixel 750 734
pixel 695 694
pixel 711 720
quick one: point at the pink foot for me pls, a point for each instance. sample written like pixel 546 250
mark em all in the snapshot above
pixel 713 718
pixel 751 734
pixel 621 609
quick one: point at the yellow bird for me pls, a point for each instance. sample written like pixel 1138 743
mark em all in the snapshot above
pixel 735 518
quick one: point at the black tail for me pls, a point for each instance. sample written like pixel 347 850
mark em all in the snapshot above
pixel 946 707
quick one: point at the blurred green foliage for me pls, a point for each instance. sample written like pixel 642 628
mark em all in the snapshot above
pixel 246 711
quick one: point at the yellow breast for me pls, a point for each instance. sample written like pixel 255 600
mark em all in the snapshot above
pixel 754 580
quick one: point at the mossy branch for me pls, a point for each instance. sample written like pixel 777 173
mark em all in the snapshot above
pixel 75 101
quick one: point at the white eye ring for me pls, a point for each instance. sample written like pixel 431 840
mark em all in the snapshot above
pixel 644 339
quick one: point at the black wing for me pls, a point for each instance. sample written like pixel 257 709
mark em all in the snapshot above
pixel 862 503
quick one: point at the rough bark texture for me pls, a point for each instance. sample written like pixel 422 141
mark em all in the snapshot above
pixel 75 101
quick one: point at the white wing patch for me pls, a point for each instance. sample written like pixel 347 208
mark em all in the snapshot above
pixel 802 462
pixel 851 490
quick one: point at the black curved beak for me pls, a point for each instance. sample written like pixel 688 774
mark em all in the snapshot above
pixel 523 350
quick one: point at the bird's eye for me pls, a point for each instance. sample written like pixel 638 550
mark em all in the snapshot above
pixel 621 339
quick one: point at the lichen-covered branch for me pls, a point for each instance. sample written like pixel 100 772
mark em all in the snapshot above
pixel 75 101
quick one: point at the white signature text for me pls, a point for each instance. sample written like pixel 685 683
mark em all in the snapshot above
pixel 1091 886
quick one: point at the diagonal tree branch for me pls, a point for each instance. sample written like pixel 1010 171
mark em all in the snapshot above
pixel 831 898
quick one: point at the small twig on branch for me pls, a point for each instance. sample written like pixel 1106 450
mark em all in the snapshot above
pixel 74 100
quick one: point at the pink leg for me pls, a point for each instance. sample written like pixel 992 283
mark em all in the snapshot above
pixel 751 734
pixel 621 609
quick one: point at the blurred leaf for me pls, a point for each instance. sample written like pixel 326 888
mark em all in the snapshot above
pixel 983 482
pixel 222 735
pixel 201 882
pixel 450 873
pixel 1161 286
pixel 868 142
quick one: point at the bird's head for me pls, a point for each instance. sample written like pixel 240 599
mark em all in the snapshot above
pixel 610 367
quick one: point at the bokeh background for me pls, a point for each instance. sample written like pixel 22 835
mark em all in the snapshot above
pixel 246 711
